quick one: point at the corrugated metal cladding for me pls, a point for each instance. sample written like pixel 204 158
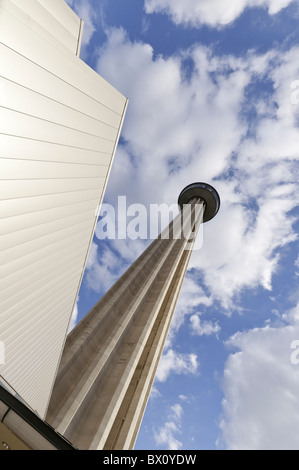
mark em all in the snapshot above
pixel 59 127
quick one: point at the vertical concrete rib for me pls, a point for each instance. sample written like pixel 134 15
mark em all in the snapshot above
pixel 110 358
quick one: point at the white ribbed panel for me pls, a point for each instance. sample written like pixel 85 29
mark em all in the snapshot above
pixel 59 127
pixel 54 20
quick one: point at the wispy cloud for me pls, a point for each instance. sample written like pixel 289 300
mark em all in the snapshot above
pixel 103 268
pixel 260 384
pixel 201 328
pixel 175 363
pixel 214 13
pixel 166 435
pixel 85 10
pixel 191 299
pixel 256 174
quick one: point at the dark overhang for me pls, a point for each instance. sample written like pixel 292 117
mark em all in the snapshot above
pixel 14 405
pixel 204 191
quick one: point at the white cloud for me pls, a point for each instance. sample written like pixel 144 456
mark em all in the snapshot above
pixel 166 434
pixel 92 256
pixel 177 127
pixel 173 362
pixel 184 398
pixel 214 13
pixel 244 241
pixel 154 393
pixel 245 244
pixel 103 269
pixel 129 250
pixel 177 410
pixel 260 384
pixel 203 328
pixel 86 12
pixel 191 297
pixel 277 133
pixel 172 122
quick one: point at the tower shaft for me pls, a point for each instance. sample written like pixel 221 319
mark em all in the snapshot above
pixel 110 358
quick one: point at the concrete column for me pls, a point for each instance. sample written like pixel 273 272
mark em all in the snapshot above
pixel 110 358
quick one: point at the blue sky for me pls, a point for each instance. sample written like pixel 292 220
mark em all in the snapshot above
pixel 213 89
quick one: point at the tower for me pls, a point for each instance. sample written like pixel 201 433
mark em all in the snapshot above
pixel 110 358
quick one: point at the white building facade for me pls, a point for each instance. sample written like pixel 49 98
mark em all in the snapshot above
pixel 59 127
